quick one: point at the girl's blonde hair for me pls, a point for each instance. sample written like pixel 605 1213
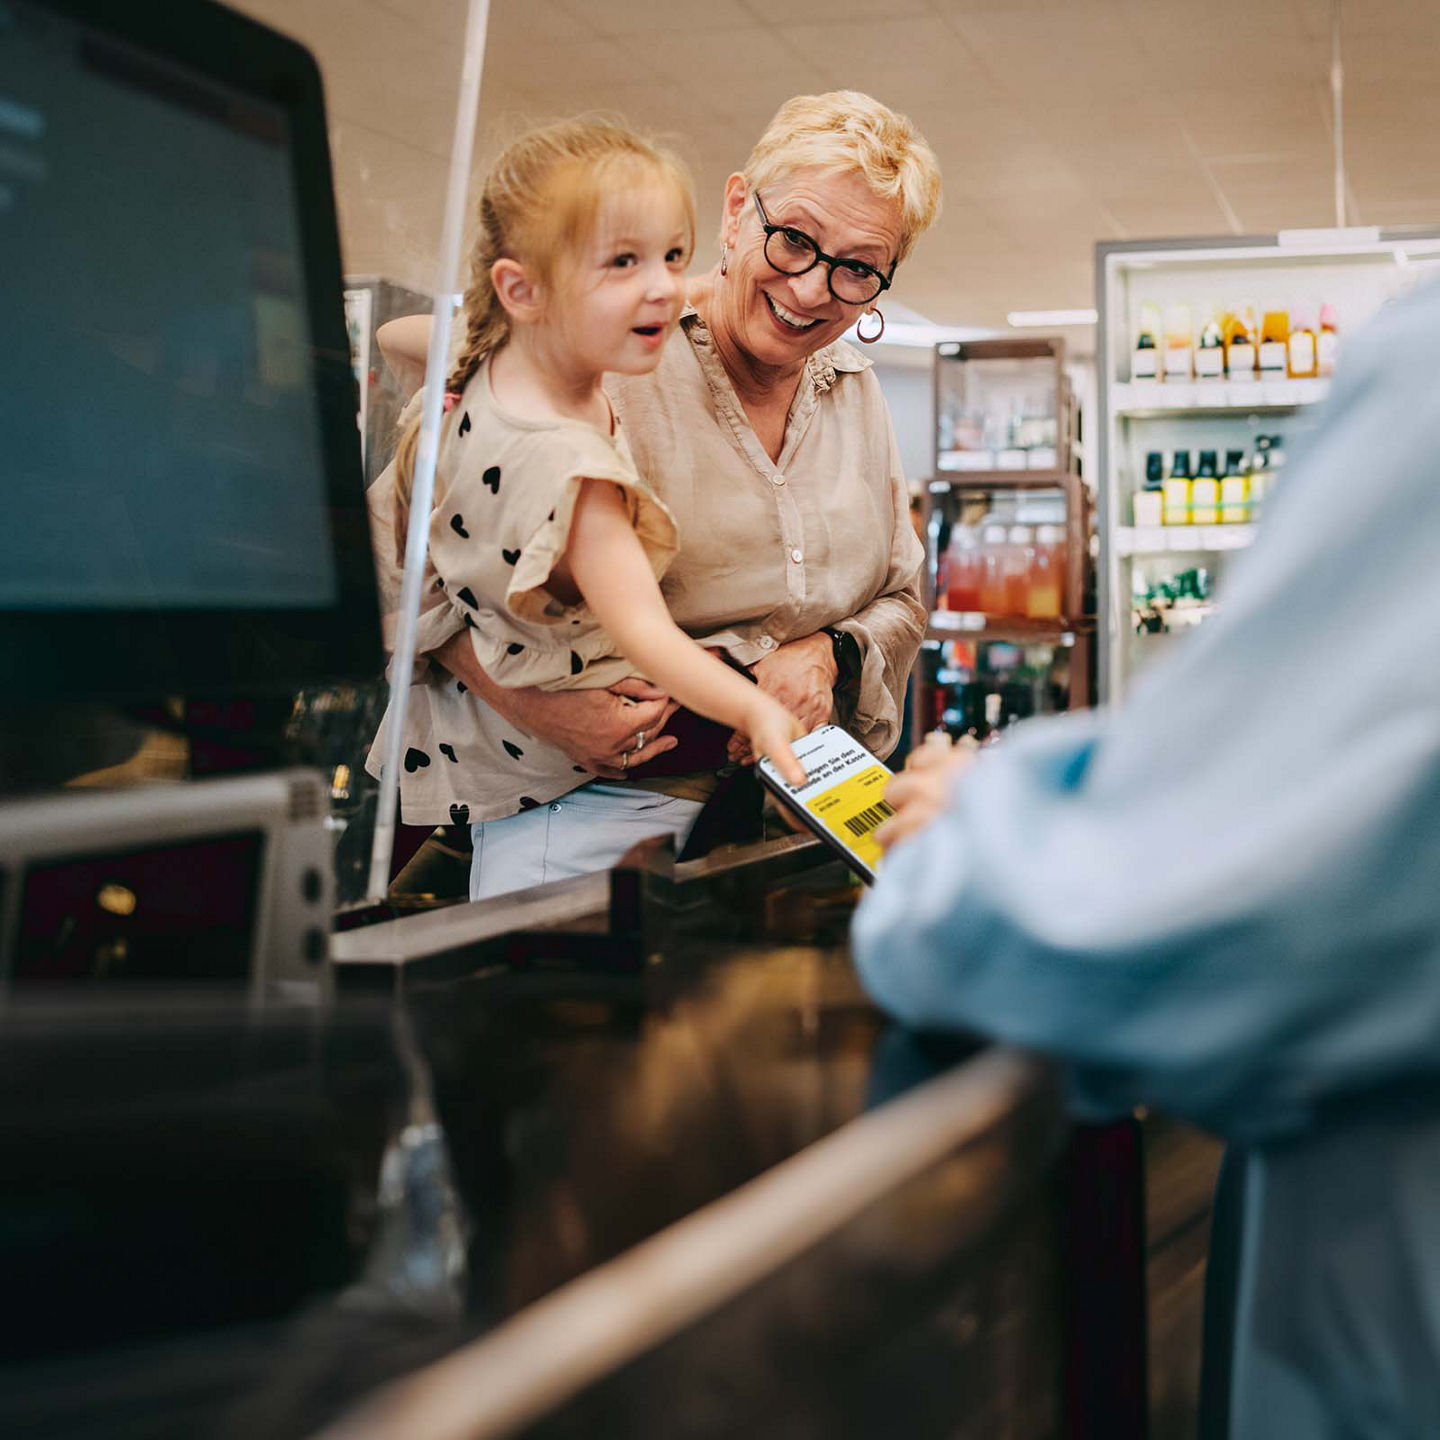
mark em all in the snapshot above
pixel 847 131
pixel 539 204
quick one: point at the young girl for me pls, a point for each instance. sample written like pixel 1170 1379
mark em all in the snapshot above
pixel 543 536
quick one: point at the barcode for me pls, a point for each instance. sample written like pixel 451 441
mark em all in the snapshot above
pixel 869 817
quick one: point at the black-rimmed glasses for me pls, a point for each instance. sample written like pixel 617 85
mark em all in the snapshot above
pixel 793 252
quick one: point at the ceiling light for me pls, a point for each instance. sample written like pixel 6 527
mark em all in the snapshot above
pixel 1030 319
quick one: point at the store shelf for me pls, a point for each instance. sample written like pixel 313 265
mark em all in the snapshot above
pixel 1161 539
pixel 998 462
pixel 1154 400
pixel 1001 479
pixel 972 625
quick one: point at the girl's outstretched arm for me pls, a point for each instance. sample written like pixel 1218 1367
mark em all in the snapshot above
pixel 608 566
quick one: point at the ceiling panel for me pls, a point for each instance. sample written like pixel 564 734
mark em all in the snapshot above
pixel 1057 122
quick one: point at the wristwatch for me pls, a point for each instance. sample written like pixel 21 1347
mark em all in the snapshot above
pixel 846 650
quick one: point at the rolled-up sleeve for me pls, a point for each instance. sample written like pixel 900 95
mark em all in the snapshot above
pixel 890 628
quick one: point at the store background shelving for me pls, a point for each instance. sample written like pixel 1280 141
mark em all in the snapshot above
pixel 1355 270
pixel 989 395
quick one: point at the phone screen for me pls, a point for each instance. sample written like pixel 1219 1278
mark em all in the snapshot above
pixel 843 800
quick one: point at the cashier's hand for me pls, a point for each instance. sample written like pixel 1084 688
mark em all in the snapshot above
pixel 801 676
pixel 921 791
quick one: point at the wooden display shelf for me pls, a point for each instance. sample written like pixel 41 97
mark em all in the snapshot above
pixel 1002 479
pixel 1016 629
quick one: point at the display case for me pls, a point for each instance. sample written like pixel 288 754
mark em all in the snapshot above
pixel 1211 357
pixel 1008 523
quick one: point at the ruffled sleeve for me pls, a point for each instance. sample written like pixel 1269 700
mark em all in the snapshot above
pixel 563 463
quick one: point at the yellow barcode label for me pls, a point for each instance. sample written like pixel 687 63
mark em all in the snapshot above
pixel 854 809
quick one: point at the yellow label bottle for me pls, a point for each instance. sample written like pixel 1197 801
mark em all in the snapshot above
pixel 1176 505
pixel 1234 490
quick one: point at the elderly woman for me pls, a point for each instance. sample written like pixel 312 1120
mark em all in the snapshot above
pixel 769 440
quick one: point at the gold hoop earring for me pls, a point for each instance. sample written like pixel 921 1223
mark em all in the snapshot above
pixel 870 339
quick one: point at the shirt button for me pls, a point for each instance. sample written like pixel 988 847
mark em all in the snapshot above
pixel 555 809
pixel 777 478
pixel 766 643
pixel 796 556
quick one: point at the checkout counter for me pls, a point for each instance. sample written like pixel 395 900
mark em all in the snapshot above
pixel 626 1155
pixel 642 1159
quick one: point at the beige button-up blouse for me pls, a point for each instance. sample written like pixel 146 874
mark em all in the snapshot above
pixel 770 551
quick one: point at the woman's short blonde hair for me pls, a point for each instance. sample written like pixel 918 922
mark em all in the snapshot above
pixel 847 131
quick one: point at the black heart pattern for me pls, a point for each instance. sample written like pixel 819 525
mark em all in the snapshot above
pixel 514 648
pixel 526 803
pixel 513 751
pixel 465 423
pixel 491 478
pixel 552 515
pixel 576 663
pixel 459 814
pixel 415 760
pixel 457 524
pixel 469 619
pixel 448 751
pixel 510 556
pixel 468 596
pixel 461 687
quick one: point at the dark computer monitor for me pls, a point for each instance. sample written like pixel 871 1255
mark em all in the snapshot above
pixel 183 501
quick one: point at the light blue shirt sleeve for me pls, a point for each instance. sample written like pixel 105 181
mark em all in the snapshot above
pixel 1223 896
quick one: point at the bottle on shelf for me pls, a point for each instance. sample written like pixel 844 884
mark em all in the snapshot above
pixel 1046 574
pixel 965 569
pixel 1300 358
pixel 937 538
pixel 1240 357
pixel 1179 344
pixel 993 556
pixel 1327 343
pixel 1149 501
pixel 1205 491
pixel 1019 558
pixel 1210 352
pixel 990 731
pixel 1235 489
pixel 1259 475
pixel 1274 344
pixel 1144 359
pixel 1176 509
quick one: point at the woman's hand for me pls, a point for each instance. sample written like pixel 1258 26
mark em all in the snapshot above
pixel 597 729
pixel 801 676
pixel 921 791
pixel 770 729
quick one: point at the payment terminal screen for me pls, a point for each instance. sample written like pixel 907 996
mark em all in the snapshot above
pixel 162 433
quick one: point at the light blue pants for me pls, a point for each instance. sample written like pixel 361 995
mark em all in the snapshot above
pixel 588 829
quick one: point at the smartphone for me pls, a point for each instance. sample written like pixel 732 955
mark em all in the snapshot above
pixel 843 800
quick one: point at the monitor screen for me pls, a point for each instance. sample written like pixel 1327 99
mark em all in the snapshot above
pixel 182 466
